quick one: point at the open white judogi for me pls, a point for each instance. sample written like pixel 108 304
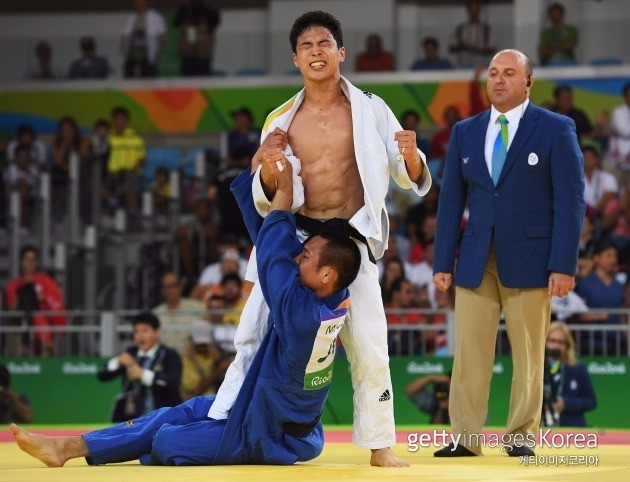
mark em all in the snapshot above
pixel 364 335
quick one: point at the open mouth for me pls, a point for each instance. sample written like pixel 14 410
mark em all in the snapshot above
pixel 317 63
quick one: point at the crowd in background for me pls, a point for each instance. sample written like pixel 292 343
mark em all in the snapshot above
pixel 144 34
pixel 213 234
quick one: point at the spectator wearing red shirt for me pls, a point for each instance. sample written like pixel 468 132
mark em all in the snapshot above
pixel 440 140
pixel 34 291
pixel 403 342
pixel 375 59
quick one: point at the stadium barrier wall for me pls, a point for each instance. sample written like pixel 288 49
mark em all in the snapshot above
pixel 66 390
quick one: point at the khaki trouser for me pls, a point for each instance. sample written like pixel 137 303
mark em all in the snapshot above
pixel 477 314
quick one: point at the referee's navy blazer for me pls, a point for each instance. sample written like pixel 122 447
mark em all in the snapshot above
pixel 534 214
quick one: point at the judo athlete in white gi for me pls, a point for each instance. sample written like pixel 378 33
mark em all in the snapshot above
pixel 344 144
pixel 276 415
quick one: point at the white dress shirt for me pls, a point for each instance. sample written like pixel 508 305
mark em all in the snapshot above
pixel 147 375
pixel 494 127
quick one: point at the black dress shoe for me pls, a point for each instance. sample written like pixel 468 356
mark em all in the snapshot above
pixel 519 451
pixel 450 451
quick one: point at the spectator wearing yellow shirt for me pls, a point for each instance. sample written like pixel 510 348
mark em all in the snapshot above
pixel 204 365
pixel 126 157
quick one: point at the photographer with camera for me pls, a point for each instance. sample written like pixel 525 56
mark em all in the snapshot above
pixel 568 391
pixel 435 402
pixel 14 407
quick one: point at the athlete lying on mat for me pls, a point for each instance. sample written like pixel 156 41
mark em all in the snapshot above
pixel 276 417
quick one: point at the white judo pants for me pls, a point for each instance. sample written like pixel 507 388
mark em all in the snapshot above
pixel 364 337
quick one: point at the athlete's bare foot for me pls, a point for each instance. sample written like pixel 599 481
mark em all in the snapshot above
pixel 386 458
pixel 52 451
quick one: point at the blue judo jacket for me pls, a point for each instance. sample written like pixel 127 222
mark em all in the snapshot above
pixel 275 419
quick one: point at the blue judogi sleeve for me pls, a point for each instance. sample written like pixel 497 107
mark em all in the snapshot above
pixel 294 308
pixel 241 188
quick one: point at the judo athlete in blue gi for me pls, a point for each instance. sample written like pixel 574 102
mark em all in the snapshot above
pixel 276 417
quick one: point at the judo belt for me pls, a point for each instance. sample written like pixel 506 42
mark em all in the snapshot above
pixel 300 429
pixel 337 225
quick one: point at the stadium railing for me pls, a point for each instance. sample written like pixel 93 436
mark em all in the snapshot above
pixel 105 333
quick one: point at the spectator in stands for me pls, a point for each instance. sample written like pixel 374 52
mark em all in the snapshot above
pixel 23 177
pixel 434 402
pixel 567 380
pixel 68 143
pixel 618 154
pixel 374 59
pixel 151 372
pixel 440 140
pixel 96 160
pixel 222 334
pixel 204 362
pixel 563 97
pixel 473 41
pixel 197 22
pixel 231 262
pixel 403 342
pixel 126 156
pixel 161 190
pixel 432 59
pixel 44 68
pixel 410 121
pixel 176 311
pixel 232 291
pixel 243 133
pixel 89 65
pixel 231 224
pixel 35 291
pixel 198 241
pixel 143 40
pixel 421 274
pixel 601 289
pixel 600 187
pixel 26 136
pixel 616 216
pixel 588 241
pixel 415 221
pixel 14 407
pixel 393 270
pixel 5 137
pixel 557 43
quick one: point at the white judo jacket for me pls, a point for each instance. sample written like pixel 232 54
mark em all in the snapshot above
pixel 376 152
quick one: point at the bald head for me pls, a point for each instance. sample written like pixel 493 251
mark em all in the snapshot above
pixel 523 59
pixel 509 79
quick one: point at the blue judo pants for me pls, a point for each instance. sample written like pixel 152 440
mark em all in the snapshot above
pixel 182 435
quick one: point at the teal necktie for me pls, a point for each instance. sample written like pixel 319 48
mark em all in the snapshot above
pixel 499 152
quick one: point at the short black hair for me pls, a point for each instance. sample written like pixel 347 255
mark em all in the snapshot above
pixel 146 318
pixel 398 284
pixel 231 277
pixel 315 18
pixel 603 245
pixel 431 40
pixel 412 112
pixel 562 89
pixel 25 129
pixel 554 6
pixel 625 89
pixel 5 377
pixel 28 249
pixel 101 122
pixel 120 110
pixel 342 254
